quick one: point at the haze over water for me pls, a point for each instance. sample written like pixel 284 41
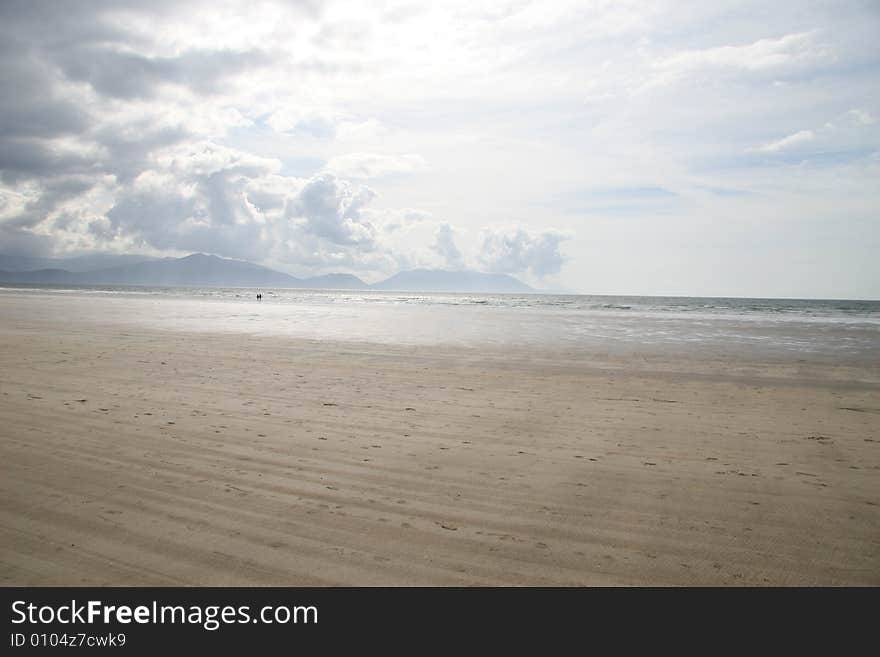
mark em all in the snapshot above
pixel 843 330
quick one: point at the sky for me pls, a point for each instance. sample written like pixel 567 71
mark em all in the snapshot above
pixel 602 147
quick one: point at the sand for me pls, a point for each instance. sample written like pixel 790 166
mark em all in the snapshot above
pixel 138 456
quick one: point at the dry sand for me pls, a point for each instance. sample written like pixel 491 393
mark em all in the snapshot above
pixel 132 456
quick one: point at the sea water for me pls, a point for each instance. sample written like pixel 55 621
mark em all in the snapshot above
pixel 846 330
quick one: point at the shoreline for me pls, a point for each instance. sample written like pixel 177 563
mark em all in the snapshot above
pixel 198 316
pixel 230 459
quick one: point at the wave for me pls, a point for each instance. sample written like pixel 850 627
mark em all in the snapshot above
pixel 697 309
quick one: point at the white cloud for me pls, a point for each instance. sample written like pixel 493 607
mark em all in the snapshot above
pixel 846 132
pixel 444 245
pixel 375 165
pixel 332 210
pixel 323 123
pixel 513 250
pixel 860 116
pixel 797 139
pixel 319 124
pixel 788 50
pixel 354 130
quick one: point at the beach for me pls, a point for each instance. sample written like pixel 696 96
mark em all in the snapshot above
pixel 150 454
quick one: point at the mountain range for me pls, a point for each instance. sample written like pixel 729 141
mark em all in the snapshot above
pixel 203 270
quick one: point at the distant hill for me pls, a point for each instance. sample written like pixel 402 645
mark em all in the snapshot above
pixel 197 269
pixel 211 271
pixel 193 270
pixel 38 277
pixel 14 263
pixel 438 280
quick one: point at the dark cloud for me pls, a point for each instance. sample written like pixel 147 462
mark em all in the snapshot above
pixel 155 218
pixel 39 117
pixel 129 75
pixel 29 104
pixel 37 107
pixel 22 159
pixel 52 129
pixel 23 242
pixel 48 24
pixel 128 150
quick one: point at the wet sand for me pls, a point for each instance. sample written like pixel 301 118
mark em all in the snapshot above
pixel 135 456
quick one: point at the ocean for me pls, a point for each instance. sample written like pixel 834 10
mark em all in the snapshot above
pixel 844 330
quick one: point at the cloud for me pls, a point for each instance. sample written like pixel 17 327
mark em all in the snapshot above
pixel 353 130
pixel 363 166
pixel 786 54
pixel 788 50
pixel 332 209
pixel 799 138
pixel 27 158
pixel 292 121
pixel 860 116
pixel 236 206
pixel 846 135
pixel 192 199
pixel 219 200
pixel 28 213
pixel 54 128
pixel 323 123
pixel 516 250
pixel 129 75
pixel 444 245
pixel 36 108
pixel 116 113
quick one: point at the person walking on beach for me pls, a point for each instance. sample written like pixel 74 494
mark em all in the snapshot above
pixel 259 297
